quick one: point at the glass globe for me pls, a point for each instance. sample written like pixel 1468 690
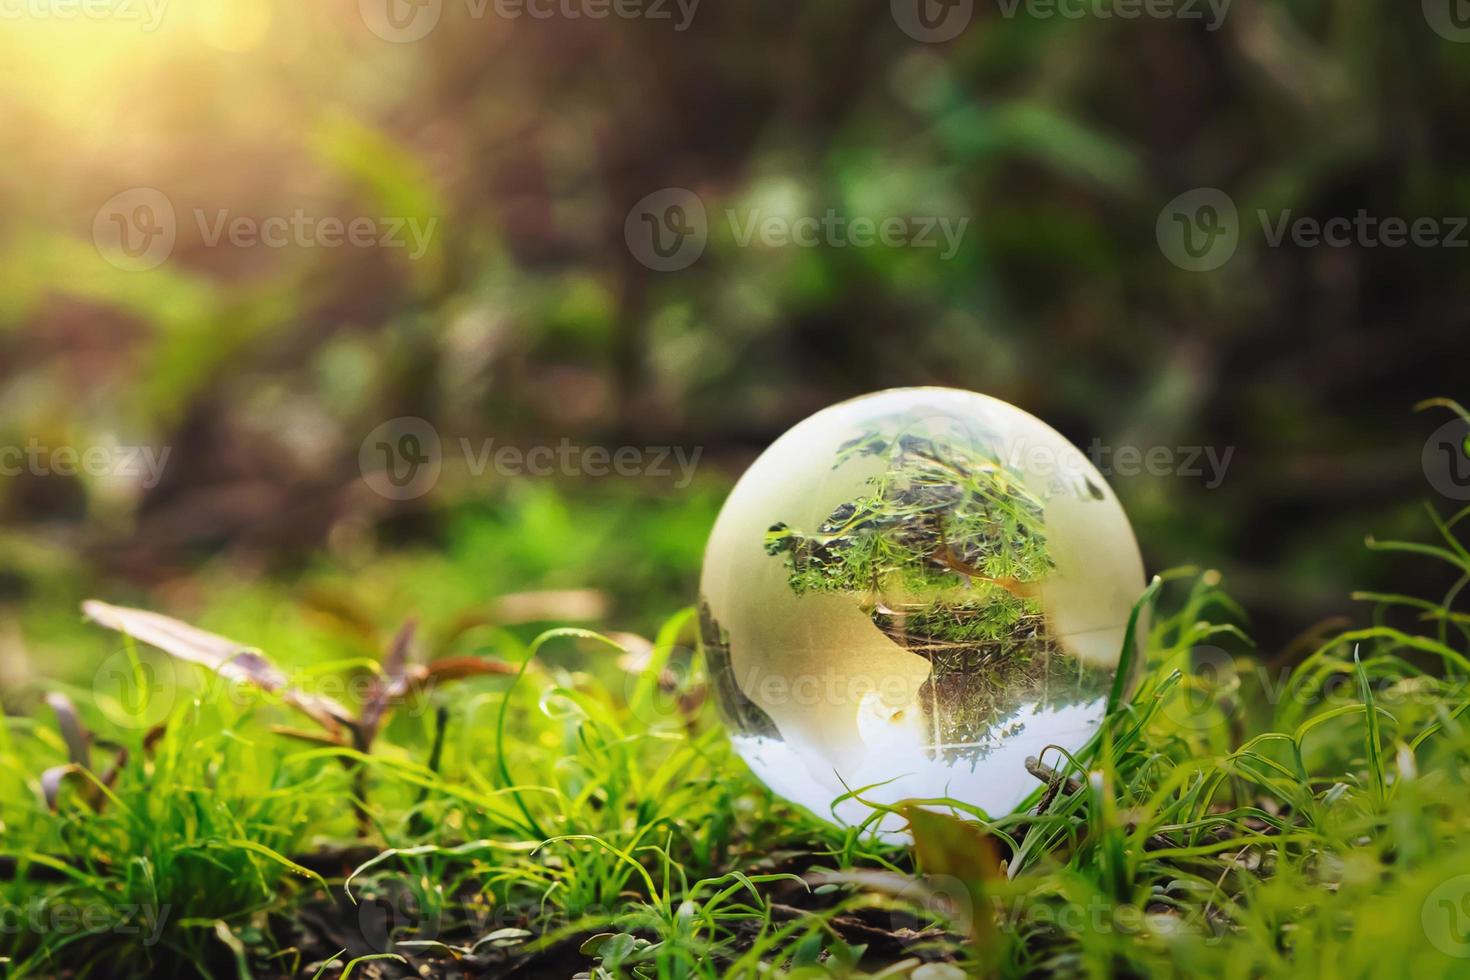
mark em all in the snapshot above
pixel 907 595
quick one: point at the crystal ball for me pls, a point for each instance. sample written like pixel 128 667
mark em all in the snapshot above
pixel 907 595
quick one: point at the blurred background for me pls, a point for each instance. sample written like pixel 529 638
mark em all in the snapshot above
pixel 241 238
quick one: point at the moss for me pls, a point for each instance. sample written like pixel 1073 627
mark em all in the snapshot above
pixel 943 551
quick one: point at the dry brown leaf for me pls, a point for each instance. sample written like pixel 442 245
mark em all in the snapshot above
pixel 231 660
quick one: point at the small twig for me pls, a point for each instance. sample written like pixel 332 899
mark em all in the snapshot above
pixel 1053 780
pixel 853 929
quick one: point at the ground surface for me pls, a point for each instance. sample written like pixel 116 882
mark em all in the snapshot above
pixel 487 796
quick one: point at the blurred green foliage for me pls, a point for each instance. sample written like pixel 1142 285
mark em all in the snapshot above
pixel 528 320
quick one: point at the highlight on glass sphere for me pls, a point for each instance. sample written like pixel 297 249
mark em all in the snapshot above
pixel 907 595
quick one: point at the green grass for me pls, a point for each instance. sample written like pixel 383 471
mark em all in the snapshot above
pixel 1238 817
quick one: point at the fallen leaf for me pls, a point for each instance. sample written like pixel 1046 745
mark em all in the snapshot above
pixel 229 659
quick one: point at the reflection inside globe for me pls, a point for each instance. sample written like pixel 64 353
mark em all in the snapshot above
pixel 910 593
